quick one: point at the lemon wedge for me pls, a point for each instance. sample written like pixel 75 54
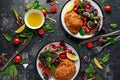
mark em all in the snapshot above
pixel 72 57
pixel 19 30
pixel 97 63
pixel 70 7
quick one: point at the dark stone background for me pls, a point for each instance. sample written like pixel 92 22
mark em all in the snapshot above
pixel 8 25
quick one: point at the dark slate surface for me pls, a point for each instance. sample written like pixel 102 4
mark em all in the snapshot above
pixel 8 25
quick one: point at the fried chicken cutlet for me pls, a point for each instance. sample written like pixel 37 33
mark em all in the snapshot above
pixel 73 22
pixel 65 70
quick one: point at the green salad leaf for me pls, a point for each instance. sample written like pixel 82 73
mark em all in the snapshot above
pixel 48 60
pixel 53 68
pixel 82 31
pixel 48 28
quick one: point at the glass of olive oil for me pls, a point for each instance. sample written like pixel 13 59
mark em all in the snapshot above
pixel 34 19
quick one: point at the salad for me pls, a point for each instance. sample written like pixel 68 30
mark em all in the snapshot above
pixel 51 56
pixel 89 15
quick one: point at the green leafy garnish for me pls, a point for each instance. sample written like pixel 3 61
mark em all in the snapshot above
pixel 80 3
pixel 28 33
pixel 48 28
pixel 105 58
pixel 103 3
pixel 15 13
pixel 33 5
pixel 113 25
pixel 7 37
pixel 12 71
pixel 82 31
pixel 48 60
pixel 110 39
pixel 46 53
pixel 53 68
pixel 94 16
pixel 89 69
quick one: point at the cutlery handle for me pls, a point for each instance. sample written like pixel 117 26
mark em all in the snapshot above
pixel 112 33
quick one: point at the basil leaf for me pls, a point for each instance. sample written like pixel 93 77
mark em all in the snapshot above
pixel 53 68
pixel 48 60
pixel 113 25
pixel 82 31
pixel 89 69
pixel 48 28
pixel 110 39
pixel 105 58
pixel 13 71
pixel 7 37
pixel 15 13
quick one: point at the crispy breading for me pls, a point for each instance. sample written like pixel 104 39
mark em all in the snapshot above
pixel 65 70
pixel 73 22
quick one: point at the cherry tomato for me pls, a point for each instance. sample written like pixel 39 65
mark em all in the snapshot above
pixel 41 31
pixel 85 23
pixel 47 48
pixel 76 3
pixel 16 41
pixel 62 55
pixel 88 6
pixel 87 30
pixel 44 11
pixel 68 51
pixel 17 59
pixel 46 70
pixel 108 8
pixel 75 9
pixel 56 46
pixel 53 9
pixel 40 64
pixel 90 45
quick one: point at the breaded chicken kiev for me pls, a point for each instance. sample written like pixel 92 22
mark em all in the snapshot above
pixel 73 22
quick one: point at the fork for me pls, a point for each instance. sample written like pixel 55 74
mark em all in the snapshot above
pixel 26 63
pixel 98 49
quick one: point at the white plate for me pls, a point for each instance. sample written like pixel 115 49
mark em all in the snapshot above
pixel 77 63
pixel 64 10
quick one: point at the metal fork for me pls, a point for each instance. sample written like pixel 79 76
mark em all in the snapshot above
pixel 26 63
pixel 98 49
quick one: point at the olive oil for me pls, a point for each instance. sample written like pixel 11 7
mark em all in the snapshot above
pixel 34 19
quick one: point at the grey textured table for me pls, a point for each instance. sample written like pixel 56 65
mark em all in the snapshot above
pixel 8 25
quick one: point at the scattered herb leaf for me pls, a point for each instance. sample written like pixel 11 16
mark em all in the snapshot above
pixel 48 28
pixel 80 3
pixel 110 39
pixel 7 37
pixel 89 69
pixel 105 58
pixel 13 72
pixel 113 25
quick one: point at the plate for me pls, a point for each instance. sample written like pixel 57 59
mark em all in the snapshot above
pixel 77 63
pixel 64 10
